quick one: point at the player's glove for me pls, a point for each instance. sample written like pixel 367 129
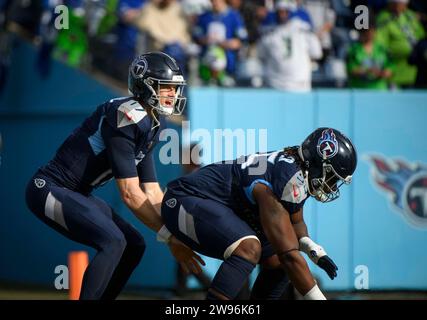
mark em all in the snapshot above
pixel 328 265
pixel 318 255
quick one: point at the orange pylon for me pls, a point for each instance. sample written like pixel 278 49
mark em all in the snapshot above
pixel 77 264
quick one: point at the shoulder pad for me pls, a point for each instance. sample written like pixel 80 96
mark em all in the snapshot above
pixel 130 112
pixel 122 112
pixel 125 115
pixel 291 179
pixel 295 190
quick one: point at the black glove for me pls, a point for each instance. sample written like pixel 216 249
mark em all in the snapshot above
pixel 328 265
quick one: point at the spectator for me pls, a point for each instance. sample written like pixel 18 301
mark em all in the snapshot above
pixel 287 52
pixel 419 59
pixel 24 16
pixel 273 18
pixel 167 29
pixel 72 44
pixel 194 8
pixel 399 30
pixel 253 13
pixel 268 20
pixel 301 13
pixel 125 47
pixel 323 20
pixel 220 32
pixel 368 66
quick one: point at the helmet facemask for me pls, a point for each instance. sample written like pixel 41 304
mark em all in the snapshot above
pixel 326 188
pixel 178 101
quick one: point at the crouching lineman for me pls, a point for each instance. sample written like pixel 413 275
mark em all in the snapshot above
pixel 250 211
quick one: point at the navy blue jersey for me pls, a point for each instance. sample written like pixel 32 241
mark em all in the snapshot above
pixel 232 183
pixel 115 141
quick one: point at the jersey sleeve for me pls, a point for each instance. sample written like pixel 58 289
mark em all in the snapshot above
pixel 253 169
pixel 120 150
pixel 147 169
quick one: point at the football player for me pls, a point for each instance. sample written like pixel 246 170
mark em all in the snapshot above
pixel 116 141
pixel 250 211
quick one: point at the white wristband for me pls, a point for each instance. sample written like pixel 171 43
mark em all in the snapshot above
pixel 314 294
pixel 312 249
pixel 163 235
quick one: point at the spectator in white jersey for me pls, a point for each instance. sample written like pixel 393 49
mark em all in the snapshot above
pixel 287 51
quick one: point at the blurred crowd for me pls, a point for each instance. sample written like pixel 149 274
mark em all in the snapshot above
pixel 291 45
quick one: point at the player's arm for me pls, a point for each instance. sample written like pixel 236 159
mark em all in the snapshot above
pixel 120 147
pixel 278 228
pixel 154 194
pixel 299 225
pixel 139 202
pixel 145 206
pixel 314 251
pixel 148 181
pixel 144 198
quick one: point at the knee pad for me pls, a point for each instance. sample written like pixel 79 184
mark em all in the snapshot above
pixel 229 251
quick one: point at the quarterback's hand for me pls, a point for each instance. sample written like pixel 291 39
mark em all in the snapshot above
pixel 187 258
pixel 328 265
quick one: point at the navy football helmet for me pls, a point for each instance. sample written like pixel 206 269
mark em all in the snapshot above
pixel 329 160
pixel 151 70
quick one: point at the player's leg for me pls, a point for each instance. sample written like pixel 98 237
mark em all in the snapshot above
pixel 135 247
pixel 235 270
pixel 80 219
pixel 214 230
pixel 272 281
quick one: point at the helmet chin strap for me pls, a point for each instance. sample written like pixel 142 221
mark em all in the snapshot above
pixel 153 114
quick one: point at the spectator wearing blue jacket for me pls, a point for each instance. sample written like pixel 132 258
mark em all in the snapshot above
pixel 124 52
pixel 221 28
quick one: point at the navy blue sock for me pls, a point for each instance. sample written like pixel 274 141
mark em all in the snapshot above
pixel 230 277
pixel 270 284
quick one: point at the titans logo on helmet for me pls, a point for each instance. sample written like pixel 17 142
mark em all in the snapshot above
pixel 139 67
pixel 406 184
pixel 327 146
